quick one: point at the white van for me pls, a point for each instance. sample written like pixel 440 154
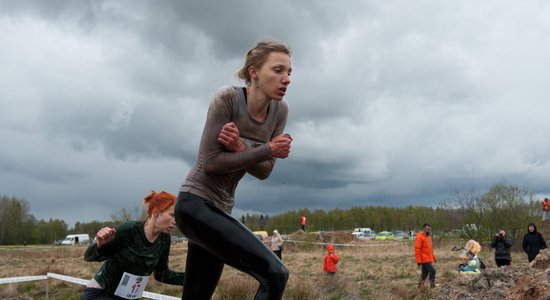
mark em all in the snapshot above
pixel 360 231
pixel 73 239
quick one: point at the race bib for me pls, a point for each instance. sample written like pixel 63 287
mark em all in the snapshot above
pixel 131 286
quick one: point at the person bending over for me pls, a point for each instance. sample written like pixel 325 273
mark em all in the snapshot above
pixel 133 251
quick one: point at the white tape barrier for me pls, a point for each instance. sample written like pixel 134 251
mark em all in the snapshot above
pixel 77 281
pixel 68 278
pixel 22 279
pixel 158 296
pixel 345 245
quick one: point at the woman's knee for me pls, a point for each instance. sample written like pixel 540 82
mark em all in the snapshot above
pixel 279 275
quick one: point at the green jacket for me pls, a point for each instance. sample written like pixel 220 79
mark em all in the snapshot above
pixel 130 251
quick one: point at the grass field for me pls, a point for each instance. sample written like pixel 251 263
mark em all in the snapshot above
pixel 367 270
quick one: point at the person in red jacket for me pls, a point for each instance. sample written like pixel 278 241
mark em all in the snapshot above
pixel 303 223
pixel 425 256
pixel 331 261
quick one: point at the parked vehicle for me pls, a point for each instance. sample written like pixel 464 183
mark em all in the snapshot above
pixel 74 239
pixel 384 236
pixel 261 234
pixel 366 236
pixel 359 231
pixel 178 239
pixel 399 235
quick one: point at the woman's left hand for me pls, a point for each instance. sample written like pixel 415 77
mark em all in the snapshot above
pixel 230 139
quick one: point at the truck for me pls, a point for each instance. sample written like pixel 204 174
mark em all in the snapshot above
pixel 362 231
pixel 74 239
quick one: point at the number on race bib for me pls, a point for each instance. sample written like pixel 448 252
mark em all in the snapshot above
pixel 131 286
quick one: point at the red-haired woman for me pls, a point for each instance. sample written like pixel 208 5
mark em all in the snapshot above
pixel 243 134
pixel 133 251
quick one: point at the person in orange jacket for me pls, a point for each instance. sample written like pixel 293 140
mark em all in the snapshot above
pixel 331 261
pixel 546 209
pixel 425 256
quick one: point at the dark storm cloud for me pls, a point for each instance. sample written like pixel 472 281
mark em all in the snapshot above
pixel 391 103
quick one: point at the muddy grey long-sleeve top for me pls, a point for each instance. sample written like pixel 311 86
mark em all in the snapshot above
pixel 217 171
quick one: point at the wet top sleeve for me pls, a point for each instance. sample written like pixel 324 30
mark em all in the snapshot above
pixel 107 250
pixel 216 158
pixel 163 272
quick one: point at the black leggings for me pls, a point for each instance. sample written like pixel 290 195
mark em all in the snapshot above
pixel 215 239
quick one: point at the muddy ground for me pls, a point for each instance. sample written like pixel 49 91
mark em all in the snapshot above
pixel 520 282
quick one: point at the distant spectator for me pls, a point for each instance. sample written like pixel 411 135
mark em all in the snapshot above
pixel 502 247
pixel 545 209
pixel 330 263
pixel 277 244
pixel 425 256
pixel 303 223
pixel 533 242
pixel 473 246
pixel 472 265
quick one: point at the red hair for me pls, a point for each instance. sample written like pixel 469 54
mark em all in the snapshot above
pixel 160 201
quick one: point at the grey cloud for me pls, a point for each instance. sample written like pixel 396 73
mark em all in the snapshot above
pixel 40 170
pixel 33 158
pixel 145 129
pixel 392 103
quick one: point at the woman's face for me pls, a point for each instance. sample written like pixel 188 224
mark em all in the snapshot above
pixel 531 228
pixel 165 220
pixel 273 77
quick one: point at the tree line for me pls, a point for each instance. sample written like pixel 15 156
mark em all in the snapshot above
pixel 468 215
pixel 18 226
pixel 475 215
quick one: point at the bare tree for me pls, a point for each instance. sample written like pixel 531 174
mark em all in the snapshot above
pixel 503 206
pixel 124 215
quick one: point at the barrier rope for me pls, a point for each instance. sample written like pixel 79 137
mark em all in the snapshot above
pixel 74 280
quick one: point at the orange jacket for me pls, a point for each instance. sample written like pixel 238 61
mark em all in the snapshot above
pixel 331 260
pixel 423 248
pixel 545 204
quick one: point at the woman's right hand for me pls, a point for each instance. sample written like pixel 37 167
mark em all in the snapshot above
pixel 229 138
pixel 104 235
pixel 280 146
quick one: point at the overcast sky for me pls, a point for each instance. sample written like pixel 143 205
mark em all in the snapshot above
pixel 392 103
